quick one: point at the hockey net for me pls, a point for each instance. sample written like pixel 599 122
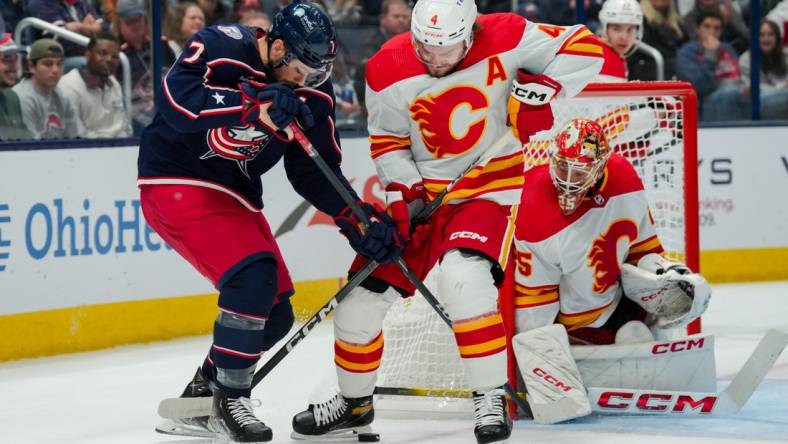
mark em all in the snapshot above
pixel 654 126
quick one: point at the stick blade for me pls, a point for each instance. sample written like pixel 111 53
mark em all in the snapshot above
pixel 757 366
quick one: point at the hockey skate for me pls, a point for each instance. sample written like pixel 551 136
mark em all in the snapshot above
pixel 198 387
pixel 493 423
pixel 336 419
pixel 234 418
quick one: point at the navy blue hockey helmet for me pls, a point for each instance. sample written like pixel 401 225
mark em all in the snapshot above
pixel 309 36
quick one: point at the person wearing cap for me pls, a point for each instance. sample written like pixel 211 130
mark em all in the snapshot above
pixel 132 29
pixel 45 110
pixel 94 91
pixel 12 126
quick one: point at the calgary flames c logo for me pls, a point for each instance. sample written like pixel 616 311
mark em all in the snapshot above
pixel 603 256
pixel 436 115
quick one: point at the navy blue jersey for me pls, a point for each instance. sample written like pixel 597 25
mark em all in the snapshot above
pixel 197 136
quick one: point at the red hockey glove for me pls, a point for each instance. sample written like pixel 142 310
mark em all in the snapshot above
pixel 529 104
pixel 403 204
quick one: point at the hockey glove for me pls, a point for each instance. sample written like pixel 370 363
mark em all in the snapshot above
pixel 529 104
pixel 379 241
pixel 285 106
pixel 404 204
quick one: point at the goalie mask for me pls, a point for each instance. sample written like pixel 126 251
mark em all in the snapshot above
pixel 577 162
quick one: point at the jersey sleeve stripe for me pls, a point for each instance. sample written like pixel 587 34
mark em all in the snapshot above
pixel 582 43
pixel 574 321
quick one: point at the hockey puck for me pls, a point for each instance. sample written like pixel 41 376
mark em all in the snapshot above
pixel 368 437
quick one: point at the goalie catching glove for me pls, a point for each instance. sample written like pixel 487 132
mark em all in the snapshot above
pixel 274 105
pixel 529 104
pixel 379 241
pixel 669 291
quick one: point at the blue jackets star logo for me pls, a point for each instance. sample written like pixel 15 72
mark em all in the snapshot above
pixel 240 143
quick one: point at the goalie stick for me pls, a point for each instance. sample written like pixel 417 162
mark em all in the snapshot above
pixel 665 402
pixel 180 408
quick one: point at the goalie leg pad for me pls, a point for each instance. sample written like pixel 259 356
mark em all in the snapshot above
pixel 685 364
pixel 470 297
pixel 555 390
pixel 358 339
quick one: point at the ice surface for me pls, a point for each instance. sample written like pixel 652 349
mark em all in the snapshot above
pixel 111 396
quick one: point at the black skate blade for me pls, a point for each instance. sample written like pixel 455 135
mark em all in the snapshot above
pixel 178 429
pixel 358 434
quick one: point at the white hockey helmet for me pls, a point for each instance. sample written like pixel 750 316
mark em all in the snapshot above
pixel 443 22
pixel 625 12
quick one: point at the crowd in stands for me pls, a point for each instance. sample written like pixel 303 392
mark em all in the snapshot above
pixel 52 88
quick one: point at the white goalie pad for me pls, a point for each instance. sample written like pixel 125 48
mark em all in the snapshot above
pixel 673 299
pixel 685 364
pixel 555 390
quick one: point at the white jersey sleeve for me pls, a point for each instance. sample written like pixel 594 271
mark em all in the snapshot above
pixel 570 55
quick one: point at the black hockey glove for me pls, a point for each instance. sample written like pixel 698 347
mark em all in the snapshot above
pixel 285 106
pixel 380 241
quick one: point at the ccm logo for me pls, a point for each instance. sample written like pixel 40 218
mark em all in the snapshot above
pixel 551 379
pixel 468 235
pixel 677 346
pixel 529 96
pixel 655 402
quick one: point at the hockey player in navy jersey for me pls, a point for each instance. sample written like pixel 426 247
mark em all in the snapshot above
pixel 222 122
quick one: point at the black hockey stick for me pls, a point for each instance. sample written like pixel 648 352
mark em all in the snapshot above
pixel 310 150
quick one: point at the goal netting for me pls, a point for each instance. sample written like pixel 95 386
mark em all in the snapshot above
pixel 654 126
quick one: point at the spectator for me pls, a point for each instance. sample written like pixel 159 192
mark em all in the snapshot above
pixel 713 69
pixel 779 15
pixel 621 28
pixel 45 110
pixel 734 31
pixel 134 34
pixel 348 107
pixel 75 15
pixel 214 13
pixel 183 22
pixel 774 72
pixel 664 30
pixel 247 7
pixel 256 18
pixel 394 19
pixel 94 92
pixel 343 12
pixel 490 6
pixel 12 126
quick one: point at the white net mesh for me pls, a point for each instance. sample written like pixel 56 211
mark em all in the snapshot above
pixel 648 130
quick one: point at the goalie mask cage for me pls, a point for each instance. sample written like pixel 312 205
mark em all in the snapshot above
pixel 654 126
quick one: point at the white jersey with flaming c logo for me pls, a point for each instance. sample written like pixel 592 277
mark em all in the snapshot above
pixel 428 129
pixel 568 266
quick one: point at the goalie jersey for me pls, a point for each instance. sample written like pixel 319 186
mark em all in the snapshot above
pixel 430 130
pixel 197 136
pixel 568 267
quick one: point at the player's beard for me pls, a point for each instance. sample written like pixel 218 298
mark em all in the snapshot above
pixel 441 71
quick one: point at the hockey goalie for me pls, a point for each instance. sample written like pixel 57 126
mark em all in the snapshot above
pixel 591 272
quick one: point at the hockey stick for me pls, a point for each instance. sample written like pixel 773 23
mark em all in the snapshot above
pixel 425 292
pixel 180 408
pixel 665 402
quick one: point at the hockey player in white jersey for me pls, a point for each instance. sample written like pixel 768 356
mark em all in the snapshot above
pixel 437 100
pixel 589 259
